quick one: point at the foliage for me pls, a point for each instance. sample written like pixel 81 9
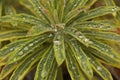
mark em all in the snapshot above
pixel 47 35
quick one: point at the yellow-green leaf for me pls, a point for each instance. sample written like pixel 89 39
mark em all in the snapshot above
pixel 12 34
pixel 73 67
pixel 59 48
pixel 82 58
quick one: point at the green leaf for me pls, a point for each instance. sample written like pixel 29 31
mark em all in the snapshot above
pixel 60 9
pixel 38 9
pixel 100 69
pixel 1 8
pixel 39 29
pixel 105 49
pixel 78 35
pixel 104 58
pixel 7 69
pixel 103 35
pixel 97 12
pixel 59 48
pixel 90 3
pixel 26 65
pixel 10 48
pixel 28 47
pixel 82 58
pixel 20 18
pixel 73 67
pixel 53 73
pixel 96 25
pixel 59 74
pixel 12 34
pixel 45 64
pixel 74 4
pixel 109 2
pixel 9 10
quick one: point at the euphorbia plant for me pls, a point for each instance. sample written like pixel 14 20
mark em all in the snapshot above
pixel 51 34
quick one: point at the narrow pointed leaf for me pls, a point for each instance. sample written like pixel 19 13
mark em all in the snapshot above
pixel 1 8
pixel 28 47
pixel 94 25
pixel 100 69
pixel 43 68
pixel 9 10
pixel 82 59
pixel 97 12
pixel 105 59
pixel 73 67
pixel 109 2
pixel 7 69
pixel 103 35
pixel 105 49
pixel 59 48
pixel 12 34
pixel 59 74
pixel 79 36
pixel 39 29
pixel 8 49
pixel 20 18
pixel 90 3
pixel 26 65
pixel 53 73
pixel 38 9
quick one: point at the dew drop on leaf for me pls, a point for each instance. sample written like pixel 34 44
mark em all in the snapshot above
pixel 99 68
pixel 50 35
pixel 80 37
pixel 55 30
pixel 26 48
pixel 57 42
pixel 112 56
pixel 31 44
pixel 20 53
pixel 14 59
pixel 11 49
pixel 73 67
pixel 44 74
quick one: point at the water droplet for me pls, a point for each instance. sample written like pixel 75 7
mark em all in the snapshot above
pixel 20 53
pixel 83 63
pixel 107 50
pixel 90 42
pixel 99 68
pixel 32 59
pixel 14 59
pixel 50 35
pixel 26 48
pixel 14 24
pixel 55 30
pixel 24 18
pixel 112 56
pixel 101 26
pixel 43 38
pixel 57 42
pixel 44 74
pixel 31 44
pixel 73 67
pixel 80 37
pixel 39 7
pixel 88 59
pixel 36 41
pixel 113 9
pixel 11 49
pixel 86 40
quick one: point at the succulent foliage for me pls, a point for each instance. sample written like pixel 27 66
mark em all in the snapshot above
pixel 48 34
